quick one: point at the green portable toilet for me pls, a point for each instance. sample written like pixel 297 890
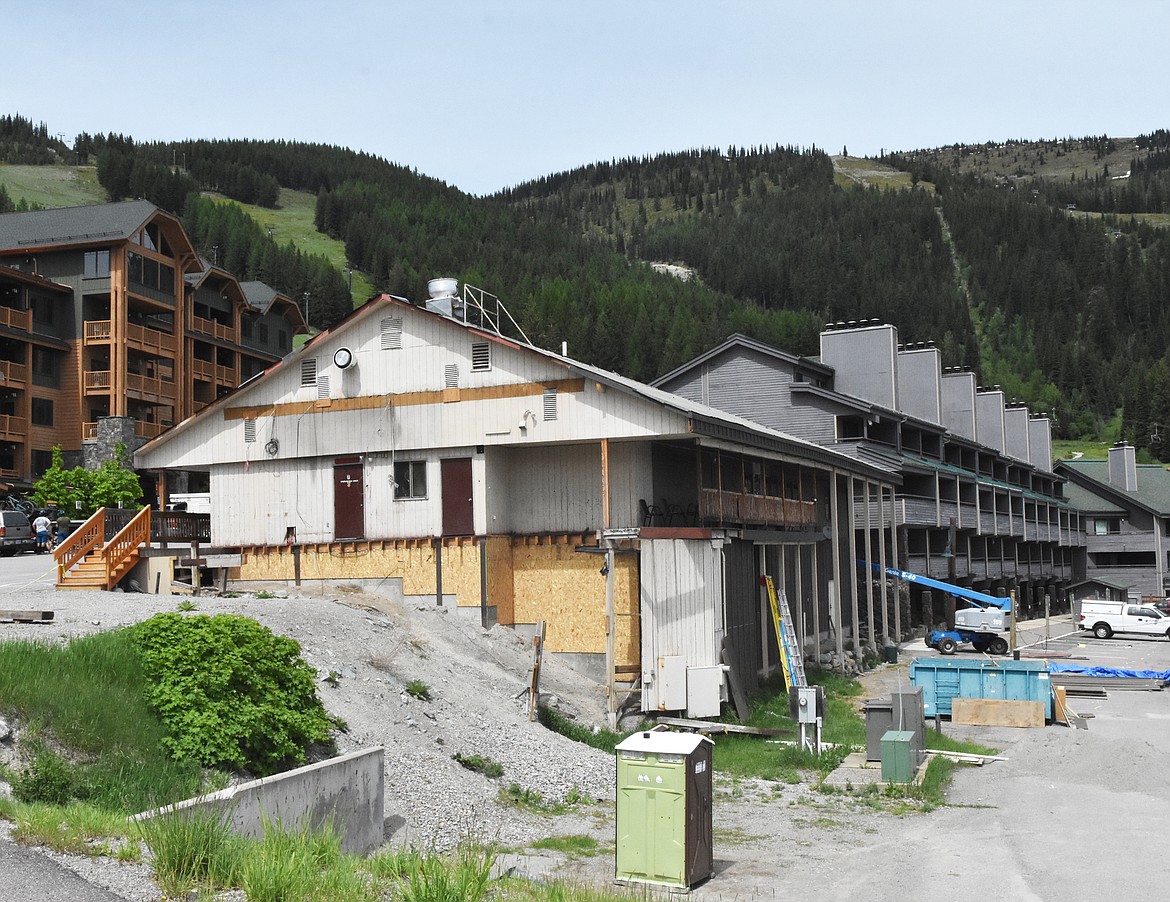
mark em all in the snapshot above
pixel 664 809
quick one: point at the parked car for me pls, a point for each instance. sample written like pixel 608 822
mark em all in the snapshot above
pixel 1105 618
pixel 16 534
pixel 1162 607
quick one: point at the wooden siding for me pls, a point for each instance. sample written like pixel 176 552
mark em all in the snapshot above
pixel 482 415
pixel 682 607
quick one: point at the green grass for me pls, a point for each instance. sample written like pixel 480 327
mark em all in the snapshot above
pixel 577 845
pixel 52 186
pixel 294 220
pixel 480 765
pixel 603 740
pixel 86 701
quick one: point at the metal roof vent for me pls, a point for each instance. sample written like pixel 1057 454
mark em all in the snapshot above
pixel 444 297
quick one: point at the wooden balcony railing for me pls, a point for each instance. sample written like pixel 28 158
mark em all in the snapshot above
pixel 13 374
pixel 16 319
pixel 13 427
pixel 144 429
pixel 97 380
pixel 202 369
pixel 150 340
pixel 147 388
pixel 212 327
pixel 98 331
pixel 756 510
pixel 226 375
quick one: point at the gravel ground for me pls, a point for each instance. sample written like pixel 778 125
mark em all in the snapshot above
pixel 1010 833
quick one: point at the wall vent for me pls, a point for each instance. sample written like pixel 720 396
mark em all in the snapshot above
pixel 249 430
pixel 322 388
pixel 391 333
pixel 309 371
pixel 451 376
pixel 550 403
pixel 481 356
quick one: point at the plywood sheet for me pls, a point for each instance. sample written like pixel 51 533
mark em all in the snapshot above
pixel 997 712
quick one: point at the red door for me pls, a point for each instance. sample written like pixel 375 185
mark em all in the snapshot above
pixel 458 515
pixel 349 520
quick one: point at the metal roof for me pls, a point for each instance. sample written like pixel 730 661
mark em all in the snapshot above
pixel 1153 483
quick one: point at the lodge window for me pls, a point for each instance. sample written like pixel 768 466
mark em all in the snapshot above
pixel 262 333
pixel 97 264
pixel 42 412
pixel 44 367
pixel 246 327
pixel 1106 527
pixel 41 461
pixel 410 479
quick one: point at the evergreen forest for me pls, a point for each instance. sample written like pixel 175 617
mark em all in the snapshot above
pixel 1043 266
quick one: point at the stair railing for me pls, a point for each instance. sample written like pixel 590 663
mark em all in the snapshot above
pixel 123 548
pixel 79 543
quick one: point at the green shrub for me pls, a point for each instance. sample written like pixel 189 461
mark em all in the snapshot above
pixel 48 779
pixel 418 689
pixel 230 693
pixel 480 764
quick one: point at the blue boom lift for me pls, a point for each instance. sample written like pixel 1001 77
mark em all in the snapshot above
pixel 980 624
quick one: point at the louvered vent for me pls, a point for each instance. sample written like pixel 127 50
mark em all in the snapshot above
pixel 481 356
pixel 309 371
pixel 391 333
pixel 249 430
pixel 322 387
pixel 451 376
pixel 550 403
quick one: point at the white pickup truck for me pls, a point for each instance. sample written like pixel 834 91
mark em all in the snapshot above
pixel 1105 618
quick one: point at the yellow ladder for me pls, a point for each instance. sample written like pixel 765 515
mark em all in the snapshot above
pixel 791 660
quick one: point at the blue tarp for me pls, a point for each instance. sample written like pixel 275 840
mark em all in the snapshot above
pixel 1109 671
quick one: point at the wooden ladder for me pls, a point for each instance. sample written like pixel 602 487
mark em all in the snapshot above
pixel 791 659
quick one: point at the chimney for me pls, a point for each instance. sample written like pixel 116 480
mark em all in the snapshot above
pixel 1123 467
pixel 864 358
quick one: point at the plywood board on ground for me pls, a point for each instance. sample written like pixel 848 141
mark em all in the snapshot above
pixel 997 712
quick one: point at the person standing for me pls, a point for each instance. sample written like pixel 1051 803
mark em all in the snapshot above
pixel 41 526
pixel 64 525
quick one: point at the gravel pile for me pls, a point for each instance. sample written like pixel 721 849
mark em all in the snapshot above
pixel 367 649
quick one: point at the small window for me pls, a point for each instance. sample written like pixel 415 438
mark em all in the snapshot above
pixel 451 376
pixel 42 412
pixel 249 430
pixel 410 479
pixel 391 333
pixel 309 371
pixel 481 356
pixel 97 264
pixel 550 403
pixel 262 333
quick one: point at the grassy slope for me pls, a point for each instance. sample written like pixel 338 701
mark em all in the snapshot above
pixel 68 186
pixel 52 186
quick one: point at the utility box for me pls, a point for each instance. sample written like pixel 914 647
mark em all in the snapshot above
pixel 664 809
pixel 903 710
pixel 898 757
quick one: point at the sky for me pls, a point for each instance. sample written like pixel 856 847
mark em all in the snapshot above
pixel 484 95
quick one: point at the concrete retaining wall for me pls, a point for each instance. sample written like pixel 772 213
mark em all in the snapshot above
pixel 350 789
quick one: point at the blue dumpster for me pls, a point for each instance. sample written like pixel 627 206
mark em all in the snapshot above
pixel 942 679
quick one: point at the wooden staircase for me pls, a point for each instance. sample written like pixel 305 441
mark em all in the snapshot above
pixel 86 561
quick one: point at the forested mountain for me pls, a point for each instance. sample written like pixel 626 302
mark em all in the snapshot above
pixel 977 248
